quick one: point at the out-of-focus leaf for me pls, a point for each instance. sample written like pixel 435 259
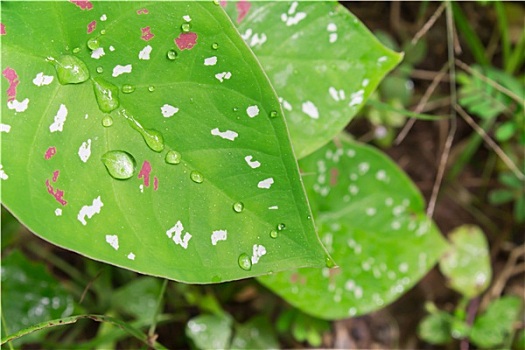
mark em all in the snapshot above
pixel 210 331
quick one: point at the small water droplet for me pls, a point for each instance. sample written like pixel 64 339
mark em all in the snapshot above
pixel 100 70
pixel 151 88
pixel 215 46
pixel 196 177
pixel 71 70
pixel 93 43
pixel 329 262
pixel 185 27
pixel 120 164
pixel 127 89
pixel 103 32
pixel 172 55
pixel 274 234
pixel 245 262
pixel 107 121
pixel 216 2
pixel 106 95
pixel 308 217
pixel 173 157
pixel 238 207
pixel 154 139
pixel 76 50
pixel 281 227
pixel 235 109
pixel 273 114
pixel 67 47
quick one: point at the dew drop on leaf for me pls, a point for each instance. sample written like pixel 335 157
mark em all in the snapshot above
pixel 93 43
pixel 106 95
pixel 196 177
pixel 185 27
pixel 151 88
pixel 100 70
pixel 71 70
pixel 107 121
pixel 329 262
pixel 238 207
pixel 244 262
pixel 215 46
pixel 281 227
pixel 76 50
pixel 127 89
pixel 274 114
pixel 120 164
pixel 103 32
pixel 172 55
pixel 154 139
pixel 274 234
pixel 173 157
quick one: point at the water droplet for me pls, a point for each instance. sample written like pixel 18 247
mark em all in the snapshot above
pixel 71 70
pixel 107 121
pixel 215 46
pixel 93 43
pixel 76 50
pixel 216 279
pixel 308 217
pixel 245 262
pixel 153 138
pixel 151 88
pixel 127 89
pixel 235 109
pixel 281 227
pixel 329 262
pixel 274 114
pixel 196 177
pixel 106 95
pixel 185 27
pixel 172 55
pixel 173 157
pixel 103 32
pixel 216 2
pixel 238 207
pixel 274 234
pixel 120 164
pixel 100 70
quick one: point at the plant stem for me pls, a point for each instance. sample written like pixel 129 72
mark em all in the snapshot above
pixel 160 300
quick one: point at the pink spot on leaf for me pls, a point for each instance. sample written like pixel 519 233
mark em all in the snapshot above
pixel 334 173
pixel 145 172
pixel 243 6
pixel 142 12
pixel 51 151
pixel 56 173
pixel 82 4
pixel 91 26
pixel 12 78
pixel 223 3
pixel 186 41
pixel 2 29
pixel 146 33
pixel 58 193
pixel 155 183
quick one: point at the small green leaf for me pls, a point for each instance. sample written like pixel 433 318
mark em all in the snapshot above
pixel 435 328
pixel 210 331
pixel 257 333
pixel 322 61
pixel 89 165
pixel 493 327
pixel 30 295
pixel 138 298
pixel 505 131
pixel 467 262
pixel 371 219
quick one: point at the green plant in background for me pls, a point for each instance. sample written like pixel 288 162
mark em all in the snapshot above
pixel 467 267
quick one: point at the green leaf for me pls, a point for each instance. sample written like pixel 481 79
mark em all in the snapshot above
pixel 229 177
pixel 496 323
pixel 30 295
pixel 257 333
pixel 210 331
pixel 435 328
pixel 323 62
pixel 371 219
pixel 138 298
pixel 466 264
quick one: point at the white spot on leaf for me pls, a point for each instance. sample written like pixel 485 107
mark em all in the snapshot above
pixel 112 240
pixel 18 106
pixel 58 212
pixel 90 210
pixel 131 256
pixel 258 251
pixel 252 163
pixel 210 61
pixel 96 54
pixel 266 183
pixel 228 134
pixel 356 98
pixel 118 70
pixel 103 18
pixel 168 110
pixel 145 52
pixel 223 76
pixel 176 232
pixel 84 152
pixel 3 175
pixel 60 119
pixel 310 109
pixel 219 235
pixel 41 79
pixel 252 111
pixel 5 128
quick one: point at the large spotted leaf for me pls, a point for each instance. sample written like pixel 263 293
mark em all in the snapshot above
pixel 147 136
pixel 323 62
pixel 371 219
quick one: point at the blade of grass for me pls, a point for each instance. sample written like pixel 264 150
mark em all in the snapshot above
pixel 386 107
pixel 472 39
pixel 504 31
pixel 151 332
pixel 517 56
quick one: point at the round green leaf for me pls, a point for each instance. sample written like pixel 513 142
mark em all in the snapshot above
pixel 371 219
pixel 435 328
pixel 323 62
pixel 210 331
pixel 147 80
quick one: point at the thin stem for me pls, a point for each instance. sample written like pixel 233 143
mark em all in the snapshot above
pixel 158 307
pixel 6 330
pixel 428 25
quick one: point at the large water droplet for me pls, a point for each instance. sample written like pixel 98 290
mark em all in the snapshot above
pixel 215 46
pixel 245 262
pixel 196 176
pixel 274 234
pixel 120 164
pixel 172 55
pixel 238 207
pixel 107 121
pixel 93 43
pixel 106 95
pixel 127 89
pixel 281 227
pixel 173 157
pixel 153 138
pixel 71 70
pixel 185 27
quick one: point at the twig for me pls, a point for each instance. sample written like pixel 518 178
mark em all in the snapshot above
pixel 429 24
pixel 501 154
pixel 453 121
pixel 422 74
pixel 489 81
pixel 89 286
